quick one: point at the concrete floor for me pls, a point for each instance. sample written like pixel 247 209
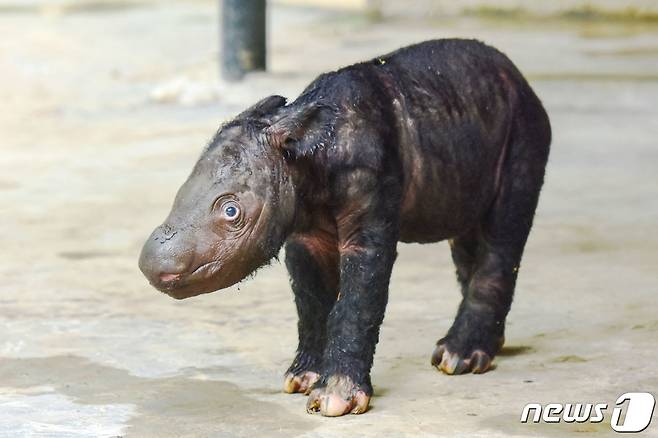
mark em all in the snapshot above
pixel 104 111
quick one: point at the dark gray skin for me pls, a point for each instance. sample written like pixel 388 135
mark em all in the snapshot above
pixel 199 249
pixel 441 140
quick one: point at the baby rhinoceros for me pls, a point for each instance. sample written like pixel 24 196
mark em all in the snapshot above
pixel 440 140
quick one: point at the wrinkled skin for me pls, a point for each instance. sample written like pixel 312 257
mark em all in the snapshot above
pixel 441 140
pixel 229 218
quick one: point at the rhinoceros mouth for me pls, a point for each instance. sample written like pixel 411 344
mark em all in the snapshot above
pixel 212 266
pixel 202 280
pixel 168 281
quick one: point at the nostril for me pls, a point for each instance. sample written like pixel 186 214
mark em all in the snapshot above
pixel 166 278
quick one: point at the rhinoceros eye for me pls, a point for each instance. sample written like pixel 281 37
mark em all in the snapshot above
pixel 231 210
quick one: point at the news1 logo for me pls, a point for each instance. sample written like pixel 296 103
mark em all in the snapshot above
pixel 637 414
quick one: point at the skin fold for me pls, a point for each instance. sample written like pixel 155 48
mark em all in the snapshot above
pixel 441 140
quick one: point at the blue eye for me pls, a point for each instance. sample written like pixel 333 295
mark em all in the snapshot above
pixel 230 211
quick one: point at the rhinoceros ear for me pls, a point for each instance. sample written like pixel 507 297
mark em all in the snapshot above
pixel 300 129
pixel 262 108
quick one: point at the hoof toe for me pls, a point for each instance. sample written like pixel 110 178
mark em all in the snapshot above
pixel 452 363
pixel 301 383
pixel 339 397
pixel 480 362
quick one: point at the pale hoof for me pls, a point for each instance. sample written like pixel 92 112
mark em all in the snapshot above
pixel 340 397
pixel 302 383
pixel 451 363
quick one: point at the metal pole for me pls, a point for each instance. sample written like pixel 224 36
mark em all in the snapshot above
pixel 243 37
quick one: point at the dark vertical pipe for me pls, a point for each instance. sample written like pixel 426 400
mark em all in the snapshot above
pixel 243 37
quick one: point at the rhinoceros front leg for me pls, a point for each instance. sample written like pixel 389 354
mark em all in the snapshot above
pixel 312 262
pixel 367 234
pixel 353 331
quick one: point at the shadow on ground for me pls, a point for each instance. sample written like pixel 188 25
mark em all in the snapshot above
pixel 172 406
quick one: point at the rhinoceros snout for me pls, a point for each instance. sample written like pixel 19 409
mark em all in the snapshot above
pixel 164 258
